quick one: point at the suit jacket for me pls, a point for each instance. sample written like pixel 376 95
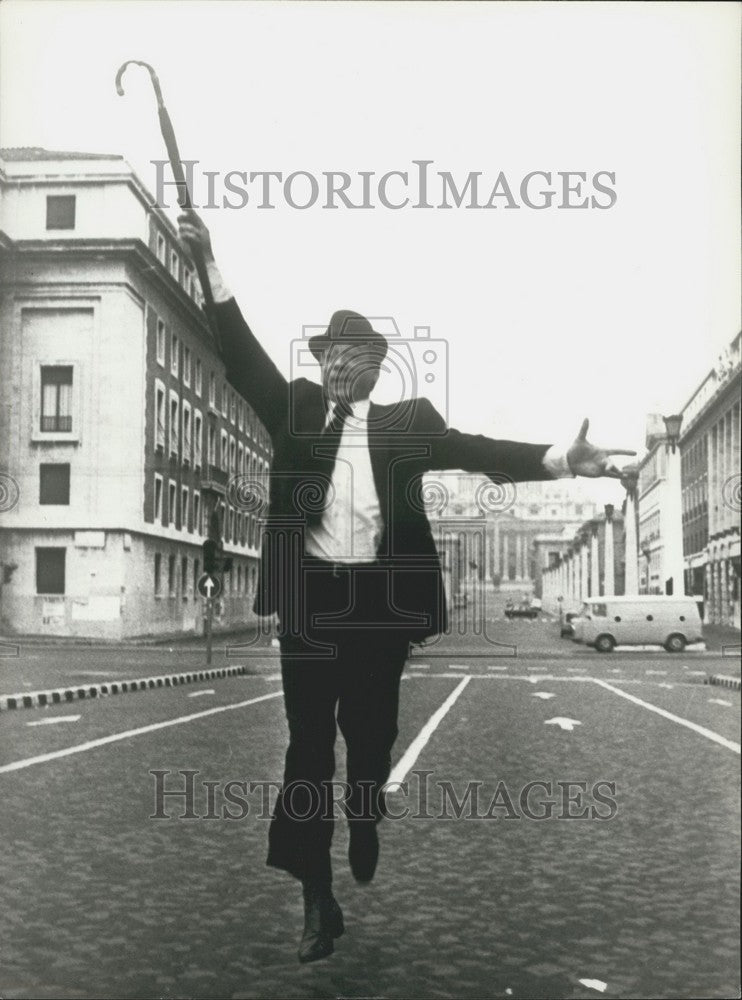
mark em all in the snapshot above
pixel 406 440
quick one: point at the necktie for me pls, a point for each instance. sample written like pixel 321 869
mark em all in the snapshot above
pixel 324 462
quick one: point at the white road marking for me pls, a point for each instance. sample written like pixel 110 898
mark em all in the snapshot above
pixel 198 694
pixel 19 765
pixel 665 685
pixel 563 723
pixel 420 666
pixel 701 730
pixel 54 719
pixel 656 673
pixel 492 666
pixel 594 984
pixel 457 666
pixel 413 751
pixel 544 695
pixel 720 701
pixel 696 673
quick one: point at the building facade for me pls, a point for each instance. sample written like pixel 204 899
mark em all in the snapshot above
pixel 710 479
pixel 119 435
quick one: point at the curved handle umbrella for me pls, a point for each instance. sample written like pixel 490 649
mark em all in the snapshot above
pixel 184 196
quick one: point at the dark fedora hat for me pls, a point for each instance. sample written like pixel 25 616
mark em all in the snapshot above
pixel 348 327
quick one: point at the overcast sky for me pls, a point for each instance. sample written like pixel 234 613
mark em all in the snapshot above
pixel 549 315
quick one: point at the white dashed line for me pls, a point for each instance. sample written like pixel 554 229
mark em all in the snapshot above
pixel 54 719
pixel 198 694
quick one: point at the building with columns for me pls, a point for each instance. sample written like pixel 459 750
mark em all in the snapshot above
pixel 710 485
pixel 592 564
pixel 118 430
pixel 490 536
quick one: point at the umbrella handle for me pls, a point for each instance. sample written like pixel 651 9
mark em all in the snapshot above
pixel 184 196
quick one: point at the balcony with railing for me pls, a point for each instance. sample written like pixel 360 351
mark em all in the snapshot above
pixel 214 479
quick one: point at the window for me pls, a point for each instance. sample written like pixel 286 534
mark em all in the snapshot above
pixel 174 355
pixel 50 565
pixel 225 400
pixel 240 414
pixel 184 508
pixel 171 581
pixel 212 390
pixel 186 433
pixel 239 579
pixel 54 483
pixel 159 415
pixel 158 498
pixel 171 500
pixel 232 407
pixel 599 610
pixel 197 439
pixel 174 265
pixel 240 459
pixel 158 574
pixel 232 453
pixel 161 254
pixel 60 211
pixel 174 424
pixel 184 577
pixel 196 574
pixel 224 460
pixel 188 281
pixel 160 343
pixel 199 377
pixel 186 365
pixel 211 445
pixel 56 397
pixel 197 512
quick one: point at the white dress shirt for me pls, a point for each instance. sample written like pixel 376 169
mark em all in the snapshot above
pixel 351 526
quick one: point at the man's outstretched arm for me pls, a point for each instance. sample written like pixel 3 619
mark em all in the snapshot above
pixel 517 460
pixel 248 367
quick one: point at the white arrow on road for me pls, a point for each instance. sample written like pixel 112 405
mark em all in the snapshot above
pixel 563 723
pixel 720 701
pixel 544 695
pixel 54 719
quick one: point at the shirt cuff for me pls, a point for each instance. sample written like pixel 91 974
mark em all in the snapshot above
pixel 218 289
pixel 555 462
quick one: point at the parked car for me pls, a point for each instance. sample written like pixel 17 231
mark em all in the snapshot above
pixel 522 610
pixel 606 622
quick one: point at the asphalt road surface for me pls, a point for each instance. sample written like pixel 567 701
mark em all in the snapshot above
pixel 577 836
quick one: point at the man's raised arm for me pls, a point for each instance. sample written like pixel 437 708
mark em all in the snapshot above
pixel 249 369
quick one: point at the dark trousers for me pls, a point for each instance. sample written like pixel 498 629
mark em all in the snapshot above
pixel 351 666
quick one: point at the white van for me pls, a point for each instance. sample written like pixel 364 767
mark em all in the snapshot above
pixel 605 622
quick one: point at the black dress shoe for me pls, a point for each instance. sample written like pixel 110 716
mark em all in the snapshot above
pixel 323 921
pixel 363 851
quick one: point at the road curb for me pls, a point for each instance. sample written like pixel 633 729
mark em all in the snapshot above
pixel 61 696
pixel 722 680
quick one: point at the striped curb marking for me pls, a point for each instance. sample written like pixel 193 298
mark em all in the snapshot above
pixel 721 680
pixel 40 699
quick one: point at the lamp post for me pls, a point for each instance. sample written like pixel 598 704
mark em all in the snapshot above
pixel 647 553
pixel 671 512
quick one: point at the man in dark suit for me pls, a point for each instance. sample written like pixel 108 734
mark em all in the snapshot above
pixel 350 568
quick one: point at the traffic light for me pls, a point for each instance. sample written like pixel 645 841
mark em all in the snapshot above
pixel 210 555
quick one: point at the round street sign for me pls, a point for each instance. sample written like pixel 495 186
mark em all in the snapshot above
pixel 209 585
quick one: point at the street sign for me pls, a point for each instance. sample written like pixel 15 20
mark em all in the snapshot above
pixel 209 585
